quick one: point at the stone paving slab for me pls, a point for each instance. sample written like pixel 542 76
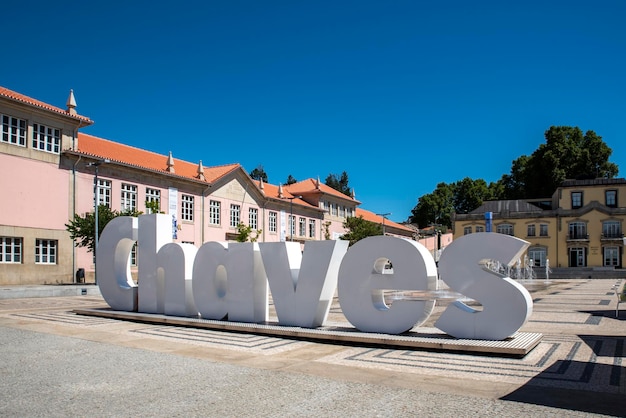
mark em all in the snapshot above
pixel 578 367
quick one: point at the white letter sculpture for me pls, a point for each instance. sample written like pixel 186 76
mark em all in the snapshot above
pixel 113 264
pixel 303 286
pixel 229 281
pixel 362 284
pixel 507 305
pixel 220 280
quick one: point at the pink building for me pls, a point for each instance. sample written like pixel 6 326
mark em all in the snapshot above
pixel 47 174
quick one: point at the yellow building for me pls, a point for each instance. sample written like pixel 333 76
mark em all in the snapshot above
pixel 579 228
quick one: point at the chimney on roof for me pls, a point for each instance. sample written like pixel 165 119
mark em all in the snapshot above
pixel 353 194
pixel 280 191
pixel 170 163
pixel 317 183
pixel 261 185
pixel 201 171
pixel 71 103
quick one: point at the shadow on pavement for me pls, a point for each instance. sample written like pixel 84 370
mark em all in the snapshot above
pixel 610 313
pixel 570 399
pixel 592 386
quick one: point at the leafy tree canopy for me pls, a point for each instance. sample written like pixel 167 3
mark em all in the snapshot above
pixel 290 180
pixel 82 228
pixel 339 183
pixel 567 154
pixel 435 207
pixel 259 174
pixel 358 228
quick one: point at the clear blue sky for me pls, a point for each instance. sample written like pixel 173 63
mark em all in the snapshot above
pixel 401 95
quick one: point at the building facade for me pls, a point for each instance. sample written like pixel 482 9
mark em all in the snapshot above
pixel 50 171
pixel 581 226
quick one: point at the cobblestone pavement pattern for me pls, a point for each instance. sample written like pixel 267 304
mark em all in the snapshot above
pixel 56 363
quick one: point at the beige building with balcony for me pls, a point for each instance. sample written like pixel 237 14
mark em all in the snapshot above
pixel 580 227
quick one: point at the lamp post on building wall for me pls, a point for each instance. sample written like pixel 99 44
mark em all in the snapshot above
pixel 292 223
pixel 96 202
pixel 384 215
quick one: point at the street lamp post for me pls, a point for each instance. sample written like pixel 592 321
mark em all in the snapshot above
pixel 384 215
pixel 96 199
pixel 292 223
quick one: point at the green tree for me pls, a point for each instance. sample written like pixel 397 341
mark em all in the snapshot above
pixel 435 207
pixel 259 174
pixel 245 233
pixel 339 183
pixel 82 228
pixel 358 228
pixel 469 194
pixel 566 154
pixel 290 180
pixel 153 206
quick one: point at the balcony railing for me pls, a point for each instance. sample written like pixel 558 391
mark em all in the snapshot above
pixel 612 236
pixel 578 236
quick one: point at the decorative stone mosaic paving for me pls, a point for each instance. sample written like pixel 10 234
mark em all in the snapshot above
pixel 585 362
pixel 219 339
pixel 592 363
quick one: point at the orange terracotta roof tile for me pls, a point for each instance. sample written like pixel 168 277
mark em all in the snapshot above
pixel 309 186
pixel 271 191
pixel 114 151
pixel 372 217
pixel 37 103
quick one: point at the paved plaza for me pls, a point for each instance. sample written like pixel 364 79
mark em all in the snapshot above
pixel 54 362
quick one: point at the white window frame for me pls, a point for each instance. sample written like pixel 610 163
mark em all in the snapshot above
pixel 577 200
pixel 467 230
pixel 539 255
pixel 215 209
pixel 13 130
pixel 46 251
pixel 610 198
pixel 611 229
pixel 506 229
pixel 186 207
pixel 543 230
pixel 273 221
pixel 531 230
pixel 577 230
pixel 153 195
pixel 312 228
pixel 253 218
pixel 11 250
pixel 610 256
pixel 104 192
pixel 46 138
pixel 580 254
pixel 292 225
pixel 480 228
pixel 302 227
pixel 129 197
pixel 133 255
pixel 235 215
